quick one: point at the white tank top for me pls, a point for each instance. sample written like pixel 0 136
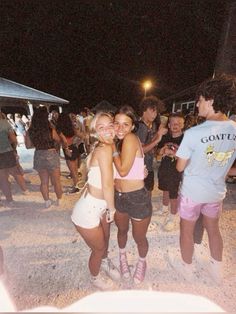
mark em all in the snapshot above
pixel 94 177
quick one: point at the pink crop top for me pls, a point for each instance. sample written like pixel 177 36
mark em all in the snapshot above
pixel 136 172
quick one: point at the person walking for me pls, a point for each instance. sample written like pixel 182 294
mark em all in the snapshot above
pixel 46 159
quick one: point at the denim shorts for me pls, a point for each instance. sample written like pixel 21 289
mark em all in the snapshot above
pixel 137 204
pixel 190 210
pixel 88 211
pixel 46 160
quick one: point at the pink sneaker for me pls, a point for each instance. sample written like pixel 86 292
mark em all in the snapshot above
pixel 124 267
pixel 140 271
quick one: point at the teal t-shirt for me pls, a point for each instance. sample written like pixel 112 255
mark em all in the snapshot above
pixel 5 128
pixel 211 150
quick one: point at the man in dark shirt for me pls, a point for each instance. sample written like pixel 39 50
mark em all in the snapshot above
pixel 150 133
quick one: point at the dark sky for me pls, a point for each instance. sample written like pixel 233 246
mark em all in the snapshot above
pixel 89 50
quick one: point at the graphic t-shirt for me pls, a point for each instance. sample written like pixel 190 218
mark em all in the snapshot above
pixel 211 150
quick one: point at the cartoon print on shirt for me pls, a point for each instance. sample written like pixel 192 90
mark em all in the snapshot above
pixel 221 157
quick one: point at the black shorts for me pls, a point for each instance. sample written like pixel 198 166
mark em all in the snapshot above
pixel 75 152
pixel 169 181
pixel 7 160
pixel 137 204
pixel 149 181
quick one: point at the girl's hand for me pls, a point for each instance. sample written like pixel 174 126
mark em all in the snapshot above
pixel 110 215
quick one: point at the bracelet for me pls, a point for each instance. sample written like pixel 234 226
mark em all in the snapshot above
pixel 115 154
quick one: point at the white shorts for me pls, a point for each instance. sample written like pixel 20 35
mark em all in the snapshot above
pixel 88 211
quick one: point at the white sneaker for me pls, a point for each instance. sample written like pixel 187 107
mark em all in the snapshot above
pixel 215 270
pixel 101 283
pixel 186 270
pixel 61 201
pixel 110 269
pixel 48 203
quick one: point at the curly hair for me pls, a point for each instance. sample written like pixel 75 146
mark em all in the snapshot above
pixel 40 130
pixel 222 90
pixel 65 125
pixel 151 102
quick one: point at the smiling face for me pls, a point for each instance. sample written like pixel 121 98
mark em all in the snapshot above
pixel 104 128
pixel 122 125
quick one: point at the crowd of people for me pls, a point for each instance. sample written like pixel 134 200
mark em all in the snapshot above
pixel 195 158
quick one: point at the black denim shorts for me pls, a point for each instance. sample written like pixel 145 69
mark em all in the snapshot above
pixel 137 204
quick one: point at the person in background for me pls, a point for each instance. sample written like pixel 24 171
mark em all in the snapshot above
pixel 53 117
pixel 132 200
pixel 67 131
pixel 46 159
pixel 10 119
pixel 17 173
pixel 168 177
pixel 149 134
pixel 7 158
pixel 20 128
pixel 206 155
pixel 94 211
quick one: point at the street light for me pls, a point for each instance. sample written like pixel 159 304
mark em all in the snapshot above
pixel 146 85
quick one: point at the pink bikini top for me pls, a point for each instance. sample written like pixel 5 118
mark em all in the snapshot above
pixel 136 172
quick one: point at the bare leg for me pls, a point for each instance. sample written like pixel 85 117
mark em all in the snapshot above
pixel 106 232
pixel 18 177
pixel 44 187
pixel 165 198
pixel 94 238
pixel 214 237
pixel 5 184
pixel 173 206
pixel 139 231
pixel 122 222
pixel 73 167
pixel 186 240
pixel 56 182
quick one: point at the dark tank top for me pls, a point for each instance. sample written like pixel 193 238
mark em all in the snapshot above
pixel 45 143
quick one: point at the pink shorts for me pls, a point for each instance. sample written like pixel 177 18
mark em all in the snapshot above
pixel 189 210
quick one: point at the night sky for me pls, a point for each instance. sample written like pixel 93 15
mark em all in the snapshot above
pixel 87 51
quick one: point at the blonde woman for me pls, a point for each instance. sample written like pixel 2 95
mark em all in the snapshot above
pixel 93 212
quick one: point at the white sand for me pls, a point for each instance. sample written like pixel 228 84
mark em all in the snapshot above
pixel 47 260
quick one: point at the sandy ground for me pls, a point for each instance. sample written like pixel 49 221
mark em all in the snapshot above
pixel 46 259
